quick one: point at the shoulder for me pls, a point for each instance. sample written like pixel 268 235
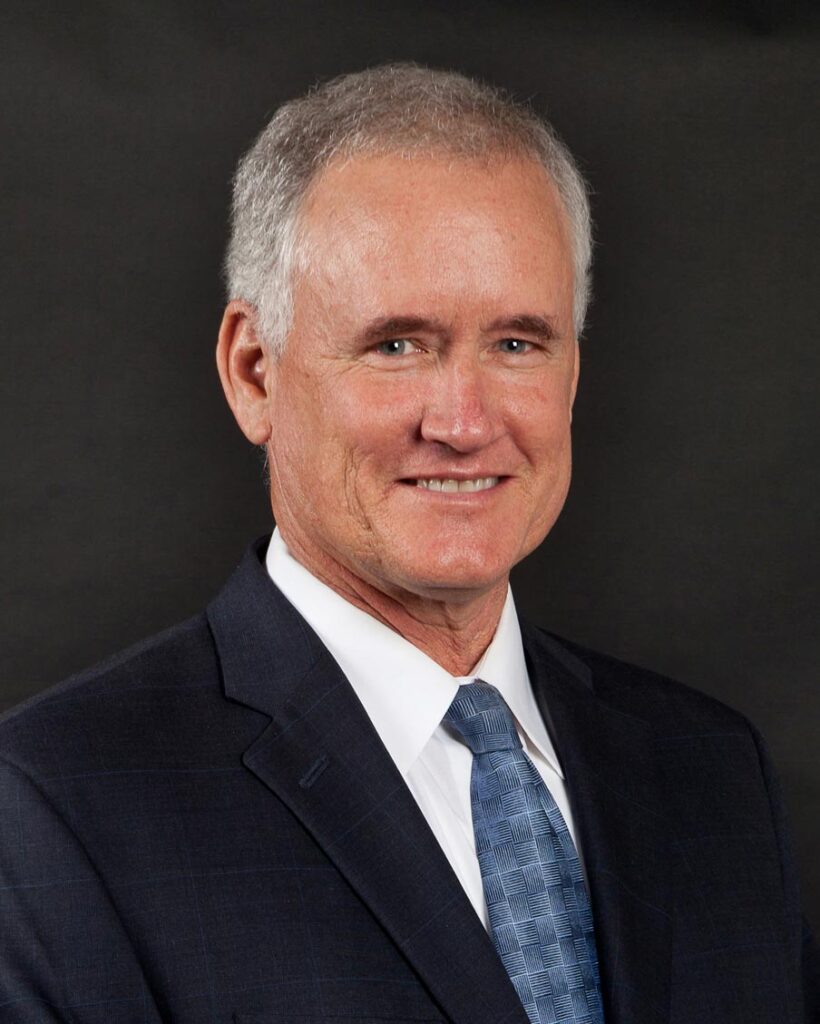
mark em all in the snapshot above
pixel 668 706
pixel 137 706
pixel 704 749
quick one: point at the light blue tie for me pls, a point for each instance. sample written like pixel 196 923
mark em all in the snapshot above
pixel 540 918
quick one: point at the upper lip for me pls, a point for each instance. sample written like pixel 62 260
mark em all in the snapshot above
pixel 458 474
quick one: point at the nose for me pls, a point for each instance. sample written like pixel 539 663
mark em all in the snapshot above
pixel 460 410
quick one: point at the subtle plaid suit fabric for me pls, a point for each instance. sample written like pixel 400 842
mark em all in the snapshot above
pixel 208 828
pixel 540 917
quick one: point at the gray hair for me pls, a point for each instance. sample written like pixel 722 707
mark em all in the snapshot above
pixel 401 108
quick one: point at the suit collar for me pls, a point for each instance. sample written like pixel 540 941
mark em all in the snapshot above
pixel 321 756
pixel 616 794
pixel 265 647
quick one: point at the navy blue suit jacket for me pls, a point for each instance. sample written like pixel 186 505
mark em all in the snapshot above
pixel 208 829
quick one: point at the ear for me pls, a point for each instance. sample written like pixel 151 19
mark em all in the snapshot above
pixel 576 370
pixel 243 362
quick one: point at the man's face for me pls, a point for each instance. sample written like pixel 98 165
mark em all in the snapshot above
pixel 420 414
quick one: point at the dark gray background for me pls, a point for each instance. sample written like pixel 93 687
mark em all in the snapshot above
pixel 689 542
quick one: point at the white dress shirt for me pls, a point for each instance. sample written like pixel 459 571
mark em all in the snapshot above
pixel 406 694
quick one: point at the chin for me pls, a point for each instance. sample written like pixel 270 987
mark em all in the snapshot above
pixel 458 575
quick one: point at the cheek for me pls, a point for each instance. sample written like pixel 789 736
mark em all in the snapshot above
pixel 344 440
pixel 377 420
pixel 300 444
pixel 541 418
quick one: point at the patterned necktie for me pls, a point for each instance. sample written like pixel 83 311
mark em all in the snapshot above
pixel 540 918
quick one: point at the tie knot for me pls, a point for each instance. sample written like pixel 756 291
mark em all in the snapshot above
pixel 482 719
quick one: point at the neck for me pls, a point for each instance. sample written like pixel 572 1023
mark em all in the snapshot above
pixel 454 630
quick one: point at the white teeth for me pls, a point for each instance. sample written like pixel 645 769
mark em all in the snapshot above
pixel 481 483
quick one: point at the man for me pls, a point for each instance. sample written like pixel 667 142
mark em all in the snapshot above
pixel 357 788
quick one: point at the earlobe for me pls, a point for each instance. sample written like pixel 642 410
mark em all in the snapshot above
pixel 242 361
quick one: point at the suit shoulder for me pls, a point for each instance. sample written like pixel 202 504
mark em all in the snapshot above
pixel 122 701
pixel 670 706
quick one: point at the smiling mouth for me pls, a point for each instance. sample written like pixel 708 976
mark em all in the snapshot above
pixel 451 486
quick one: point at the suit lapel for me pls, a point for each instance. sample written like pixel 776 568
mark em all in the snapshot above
pixel 617 802
pixel 322 758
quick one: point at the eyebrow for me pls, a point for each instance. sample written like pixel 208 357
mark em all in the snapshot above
pixel 400 326
pixel 543 327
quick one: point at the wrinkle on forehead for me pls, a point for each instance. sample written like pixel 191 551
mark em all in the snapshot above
pixel 375 217
pixel 337 201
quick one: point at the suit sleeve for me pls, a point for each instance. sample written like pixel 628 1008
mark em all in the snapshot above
pixel 807 956
pixel 65 957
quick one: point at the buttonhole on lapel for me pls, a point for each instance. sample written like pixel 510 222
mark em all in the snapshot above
pixel 313 773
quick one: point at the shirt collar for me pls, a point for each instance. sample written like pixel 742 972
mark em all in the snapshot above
pixel 404 692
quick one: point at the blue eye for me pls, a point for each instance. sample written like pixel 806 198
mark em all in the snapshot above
pixel 395 347
pixel 515 346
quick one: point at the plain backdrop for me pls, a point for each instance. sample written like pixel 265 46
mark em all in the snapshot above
pixel 689 543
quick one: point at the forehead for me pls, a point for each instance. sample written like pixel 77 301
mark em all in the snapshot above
pixel 386 189
pixel 434 224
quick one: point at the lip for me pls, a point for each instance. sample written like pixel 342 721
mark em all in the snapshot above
pixel 462 497
pixel 455 475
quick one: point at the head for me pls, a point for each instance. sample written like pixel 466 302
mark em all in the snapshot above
pixel 408 273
